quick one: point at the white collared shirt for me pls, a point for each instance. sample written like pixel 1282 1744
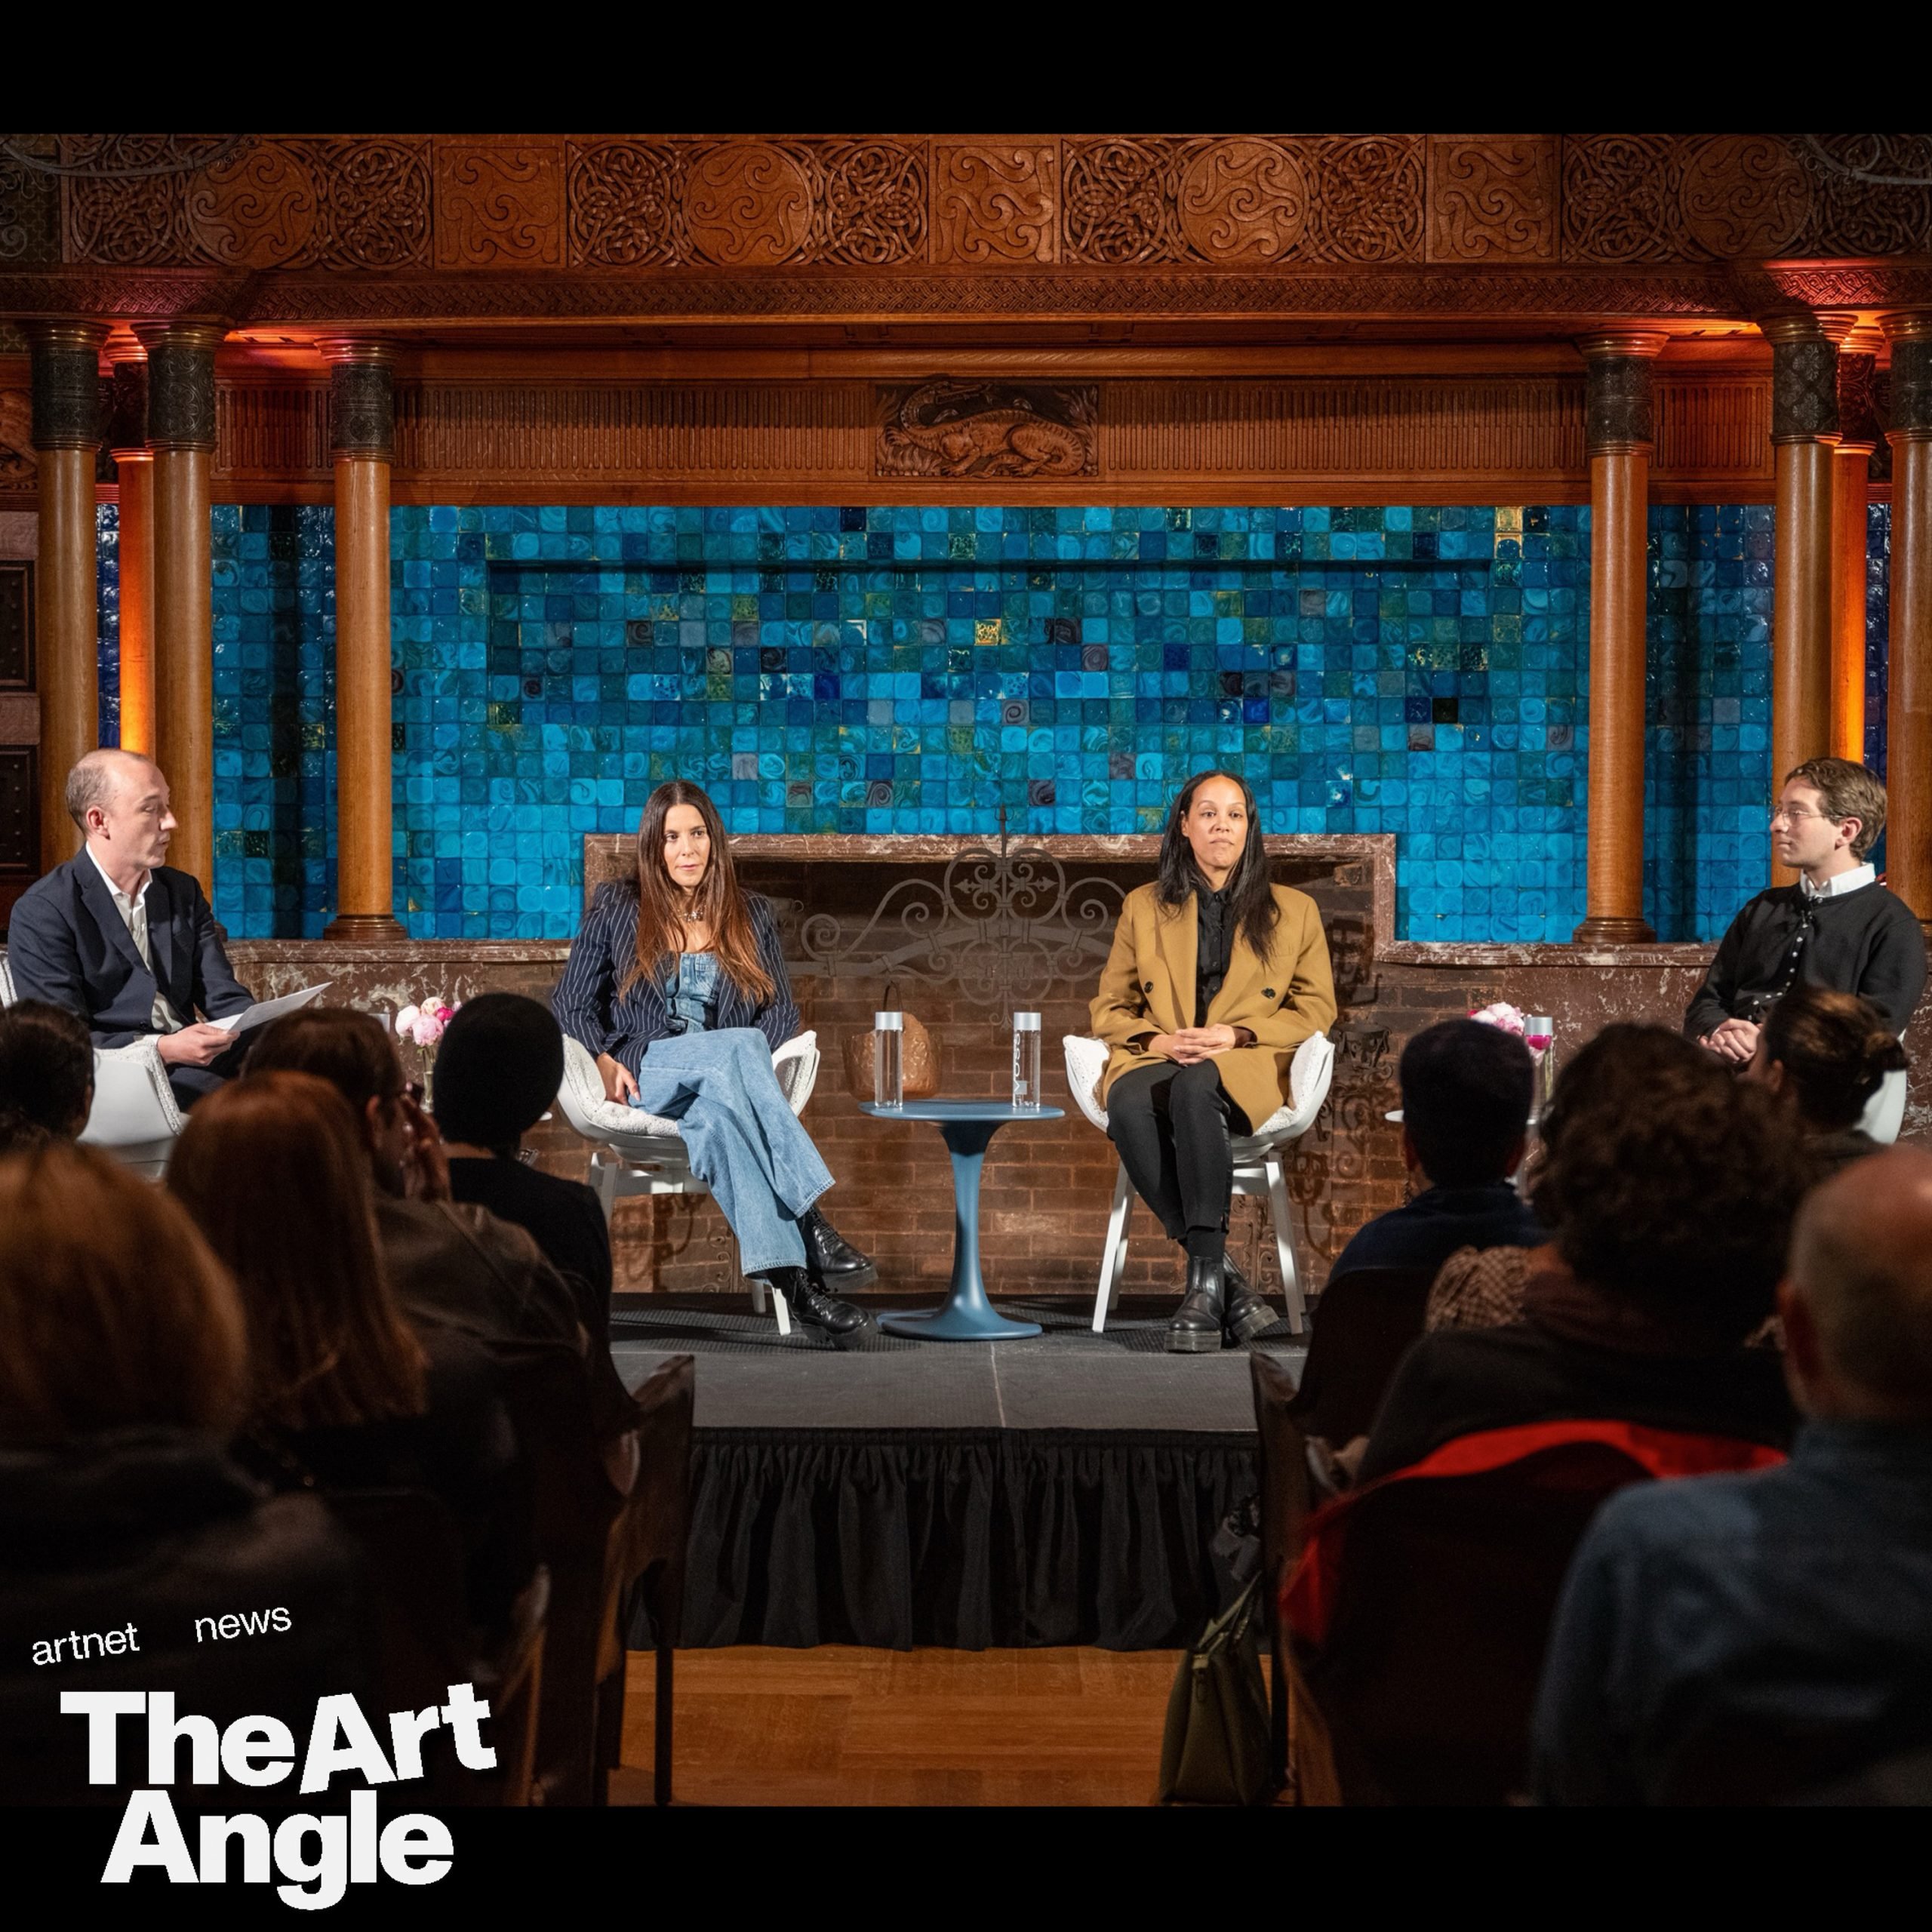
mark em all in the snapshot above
pixel 133 910
pixel 1836 886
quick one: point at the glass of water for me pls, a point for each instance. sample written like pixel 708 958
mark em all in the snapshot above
pixel 1026 1061
pixel 889 1060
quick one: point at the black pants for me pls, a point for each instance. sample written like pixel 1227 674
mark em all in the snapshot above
pixel 1172 1125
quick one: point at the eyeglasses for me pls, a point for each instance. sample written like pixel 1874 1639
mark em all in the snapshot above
pixel 1792 813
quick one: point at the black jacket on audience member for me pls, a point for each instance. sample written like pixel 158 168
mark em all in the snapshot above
pixel 462 1450
pixel 157 1527
pixel 1866 942
pixel 1457 1381
pixel 566 1221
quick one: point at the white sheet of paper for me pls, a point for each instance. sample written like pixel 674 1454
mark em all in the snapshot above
pixel 263 1011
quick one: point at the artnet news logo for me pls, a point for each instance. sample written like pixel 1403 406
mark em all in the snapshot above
pixel 317 1857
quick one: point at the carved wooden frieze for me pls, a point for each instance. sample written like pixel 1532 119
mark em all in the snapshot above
pixel 996 201
pixel 969 428
pixel 758 204
pixel 1493 197
pixel 499 203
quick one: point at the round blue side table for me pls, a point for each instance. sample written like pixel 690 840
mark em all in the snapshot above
pixel 967 1127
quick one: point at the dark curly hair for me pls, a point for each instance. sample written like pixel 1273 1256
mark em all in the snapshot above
pixel 1669 1180
pixel 46 1073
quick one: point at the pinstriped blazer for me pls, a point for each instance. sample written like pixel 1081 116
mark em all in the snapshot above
pixel 590 1008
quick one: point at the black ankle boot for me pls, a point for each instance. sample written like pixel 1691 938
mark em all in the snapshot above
pixel 839 1320
pixel 830 1259
pixel 1195 1329
pixel 1244 1314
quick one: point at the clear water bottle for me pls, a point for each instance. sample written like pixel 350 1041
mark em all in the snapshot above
pixel 1540 1036
pixel 889 1060
pixel 1026 1061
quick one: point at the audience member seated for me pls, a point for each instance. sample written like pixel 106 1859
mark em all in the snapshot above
pixel 46 1074
pixel 1744 1639
pixel 498 1069
pixel 1825 1054
pixel 1466 1093
pixel 342 1394
pixel 459 1266
pixel 123 1518
pixel 1671 1196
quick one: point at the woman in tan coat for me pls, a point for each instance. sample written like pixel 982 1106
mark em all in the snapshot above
pixel 1216 976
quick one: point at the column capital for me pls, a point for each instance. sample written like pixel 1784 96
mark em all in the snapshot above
pixel 1617 417
pixel 1804 377
pixel 1599 343
pixel 128 415
pixel 181 383
pixel 1910 334
pixel 361 397
pixel 66 383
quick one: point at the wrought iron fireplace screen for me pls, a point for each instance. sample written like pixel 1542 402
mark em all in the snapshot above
pixel 1000 929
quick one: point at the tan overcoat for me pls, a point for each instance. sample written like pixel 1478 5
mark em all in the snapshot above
pixel 1147 987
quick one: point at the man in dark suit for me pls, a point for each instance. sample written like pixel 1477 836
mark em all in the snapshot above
pixel 126 942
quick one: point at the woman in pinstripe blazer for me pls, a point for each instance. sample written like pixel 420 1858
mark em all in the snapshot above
pixel 677 983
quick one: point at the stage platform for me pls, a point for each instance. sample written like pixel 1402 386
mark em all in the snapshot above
pixel 1059 1490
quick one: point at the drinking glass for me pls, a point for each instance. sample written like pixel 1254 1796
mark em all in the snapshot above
pixel 889 1060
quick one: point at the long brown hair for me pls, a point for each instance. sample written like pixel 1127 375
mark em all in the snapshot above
pixel 116 1315
pixel 719 901
pixel 275 1173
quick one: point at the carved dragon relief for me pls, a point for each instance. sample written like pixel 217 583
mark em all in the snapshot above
pixel 949 427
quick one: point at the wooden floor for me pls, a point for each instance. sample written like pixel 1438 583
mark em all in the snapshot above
pixel 839 1726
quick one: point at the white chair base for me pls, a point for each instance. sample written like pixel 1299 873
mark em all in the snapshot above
pixel 1260 1173
pixel 1258 1163
pixel 634 1152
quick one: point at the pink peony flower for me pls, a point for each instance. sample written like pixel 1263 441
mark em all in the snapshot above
pixel 1501 1014
pixel 424 1024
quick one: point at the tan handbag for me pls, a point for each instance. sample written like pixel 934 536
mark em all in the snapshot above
pixel 919 1060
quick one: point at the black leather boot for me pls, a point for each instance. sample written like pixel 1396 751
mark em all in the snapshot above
pixel 1244 1314
pixel 830 1259
pixel 1195 1329
pixel 844 1325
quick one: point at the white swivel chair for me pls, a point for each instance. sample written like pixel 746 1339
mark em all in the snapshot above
pixel 635 1152
pixel 1257 1161
pixel 134 1119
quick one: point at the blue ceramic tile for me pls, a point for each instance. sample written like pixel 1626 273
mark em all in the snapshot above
pixel 1422 670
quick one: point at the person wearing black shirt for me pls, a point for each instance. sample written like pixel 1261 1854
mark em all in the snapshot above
pixel 1670 1188
pixel 1201 1048
pixel 1466 1092
pixel 1836 926
pixel 497 1069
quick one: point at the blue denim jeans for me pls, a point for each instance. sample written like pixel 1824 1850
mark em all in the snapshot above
pixel 742 1138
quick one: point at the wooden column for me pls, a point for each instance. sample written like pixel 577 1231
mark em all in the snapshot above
pixel 361 415
pixel 1618 436
pixel 66 438
pixel 1851 503
pixel 1805 430
pixel 1909 716
pixel 181 430
pixel 128 444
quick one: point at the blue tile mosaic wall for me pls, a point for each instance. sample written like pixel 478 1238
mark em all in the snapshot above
pixel 1421 671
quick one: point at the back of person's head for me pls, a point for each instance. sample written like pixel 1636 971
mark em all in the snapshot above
pixel 115 1314
pixel 351 1050
pixel 499 1067
pixel 277 1177
pixel 1466 1090
pixel 1669 1181
pixel 1861 1269
pixel 46 1073
pixel 1834 1049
